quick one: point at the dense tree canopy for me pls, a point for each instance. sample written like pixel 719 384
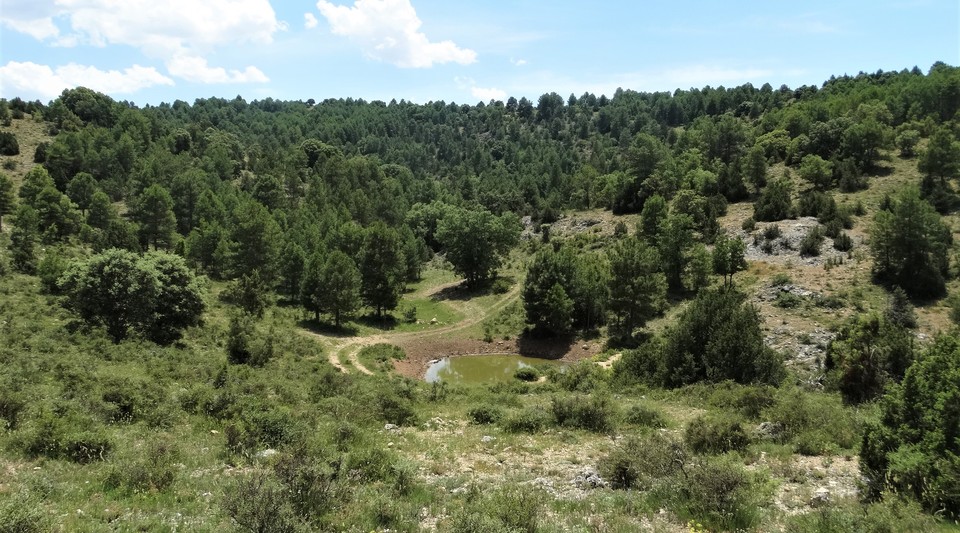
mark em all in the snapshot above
pixel 915 448
pixel 910 245
pixel 155 295
pixel 475 241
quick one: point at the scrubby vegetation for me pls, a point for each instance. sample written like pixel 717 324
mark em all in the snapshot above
pixel 212 314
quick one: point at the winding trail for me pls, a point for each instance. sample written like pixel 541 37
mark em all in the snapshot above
pixel 348 349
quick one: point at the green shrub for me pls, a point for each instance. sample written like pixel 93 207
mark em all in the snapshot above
pixel 64 437
pixel 396 409
pixel 501 286
pixel 810 245
pixel 527 373
pixel 890 515
pixel 721 495
pixel 716 338
pixel 843 242
pixel 715 435
pixel 258 503
pixel 86 446
pixel 581 377
pixel 593 413
pixel 21 513
pixel 12 405
pixel 528 420
pixel 510 509
pixel 645 415
pixel 519 508
pixel 153 469
pixel 772 232
pixel 780 278
pixel 485 414
pixel 748 400
pixel 914 449
pixel 749 225
pixel 787 300
pixel 797 412
pixel 638 463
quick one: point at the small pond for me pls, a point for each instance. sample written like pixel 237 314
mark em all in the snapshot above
pixel 482 368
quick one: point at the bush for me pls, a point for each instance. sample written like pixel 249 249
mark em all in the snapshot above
pixel 529 420
pixel 787 300
pixel 527 373
pixel 22 514
pixel 12 405
pixel 593 413
pixel 892 514
pixel 646 416
pixel 780 278
pixel 749 225
pixel 638 463
pixel 485 414
pixel 154 470
pixel 748 400
pixel 772 232
pixel 8 143
pixel 796 413
pixel 510 509
pixel 717 338
pixel 914 449
pixel 715 435
pixel 396 409
pixel 61 437
pixel 258 503
pixel 843 242
pixel 720 495
pixel 810 245
pixel 501 286
pixel 583 377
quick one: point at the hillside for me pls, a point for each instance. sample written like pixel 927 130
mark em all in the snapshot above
pixel 739 306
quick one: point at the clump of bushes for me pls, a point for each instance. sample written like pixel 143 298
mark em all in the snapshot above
pixel 810 245
pixel 64 437
pixel 715 435
pixel 528 420
pixel 645 415
pixel 593 413
pixel 717 493
pixel 485 414
pixel 527 373
pixel 154 469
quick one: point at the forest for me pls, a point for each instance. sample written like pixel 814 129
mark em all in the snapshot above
pixel 742 304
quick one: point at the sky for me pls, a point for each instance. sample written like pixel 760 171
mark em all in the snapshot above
pixel 151 51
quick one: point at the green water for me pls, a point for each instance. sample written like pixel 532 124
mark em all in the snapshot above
pixel 482 368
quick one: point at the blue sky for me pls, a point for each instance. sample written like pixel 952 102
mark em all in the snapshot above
pixel 149 52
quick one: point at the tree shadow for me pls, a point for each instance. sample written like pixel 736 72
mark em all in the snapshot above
pixel 543 346
pixel 387 322
pixel 462 292
pixel 328 329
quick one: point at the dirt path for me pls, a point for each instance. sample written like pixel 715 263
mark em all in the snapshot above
pixel 341 350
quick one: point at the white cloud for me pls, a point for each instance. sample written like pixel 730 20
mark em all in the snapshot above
pixel 165 28
pixel 40 81
pixel 518 62
pixel 39 29
pixel 465 83
pixel 310 21
pixel 388 30
pixel 487 94
pixel 170 31
pixel 195 69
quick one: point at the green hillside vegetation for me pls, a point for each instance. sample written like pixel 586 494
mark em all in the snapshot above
pixel 217 316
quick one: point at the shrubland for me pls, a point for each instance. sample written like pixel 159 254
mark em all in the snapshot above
pixel 178 281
